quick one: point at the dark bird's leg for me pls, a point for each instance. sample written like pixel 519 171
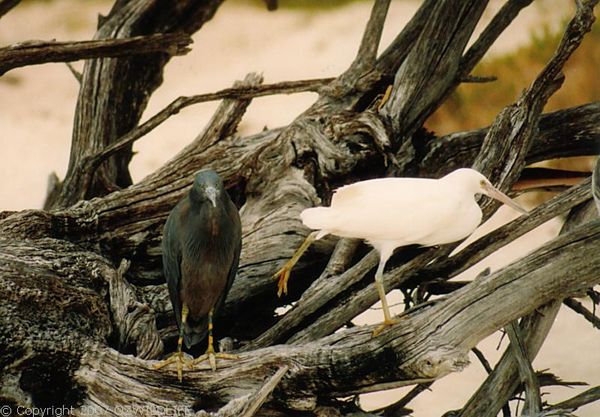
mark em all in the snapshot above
pixel 177 356
pixel 387 317
pixel 210 353
pixel 284 273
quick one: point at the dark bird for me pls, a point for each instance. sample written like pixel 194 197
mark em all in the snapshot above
pixel 201 246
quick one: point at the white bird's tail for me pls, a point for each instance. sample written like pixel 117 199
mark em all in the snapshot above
pixel 317 218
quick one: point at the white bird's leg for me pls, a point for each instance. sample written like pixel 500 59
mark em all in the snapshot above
pixel 284 273
pixel 177 356
pixel 381 290
pixel 387 317
pixel 210 354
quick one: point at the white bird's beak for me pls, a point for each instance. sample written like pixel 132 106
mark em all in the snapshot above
pixel 212 193
pixel 496 194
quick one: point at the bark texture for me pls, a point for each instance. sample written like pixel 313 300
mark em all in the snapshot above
pixel 85 312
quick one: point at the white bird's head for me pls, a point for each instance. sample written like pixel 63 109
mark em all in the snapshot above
pixel 473 181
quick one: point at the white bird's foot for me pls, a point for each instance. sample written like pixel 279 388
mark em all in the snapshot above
pixel 283 275
pixel 386 323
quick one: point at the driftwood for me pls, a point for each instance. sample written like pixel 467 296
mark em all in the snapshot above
pixel 84 310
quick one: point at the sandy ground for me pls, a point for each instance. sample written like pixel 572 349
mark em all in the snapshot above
pixel 37 105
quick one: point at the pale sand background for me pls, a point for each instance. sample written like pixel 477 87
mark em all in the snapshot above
pixel 37 105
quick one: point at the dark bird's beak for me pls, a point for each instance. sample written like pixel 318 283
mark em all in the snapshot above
pixel 211 194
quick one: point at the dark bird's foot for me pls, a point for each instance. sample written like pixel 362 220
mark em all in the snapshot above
pixel 211 356
pixel 179 359
pixel 386 323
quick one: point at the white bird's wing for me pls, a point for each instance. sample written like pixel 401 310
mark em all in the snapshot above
pixel 398 190
pixel 406 210
pixel 365 191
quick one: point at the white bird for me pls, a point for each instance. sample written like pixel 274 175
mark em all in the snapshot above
pixel 393 212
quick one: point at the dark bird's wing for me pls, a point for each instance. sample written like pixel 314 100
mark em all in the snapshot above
pixel 171 258
pixel 230 277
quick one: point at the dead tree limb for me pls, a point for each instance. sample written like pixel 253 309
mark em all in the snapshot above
pixel 41 52
pixel 503 381
pixel 533 399
pixel 115 91
pixel 572 404
pixel 7 5
pixel 579 308
pixel 564 132
pixel 239 92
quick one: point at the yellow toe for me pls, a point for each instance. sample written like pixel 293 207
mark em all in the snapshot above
pixel 383 326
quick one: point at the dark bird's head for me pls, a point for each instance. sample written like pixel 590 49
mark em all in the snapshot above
pixel 207 186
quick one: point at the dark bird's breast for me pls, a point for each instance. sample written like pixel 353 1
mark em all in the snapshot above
pixel 206 267
pixel 201 287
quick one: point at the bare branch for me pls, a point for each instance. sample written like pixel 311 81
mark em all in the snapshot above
pixel 261 395
pixel 89 165
pixel 493 30
pixel 483 360
pixel 70 254
pixel 226 126
pixel 579 308
pixel 393 409
pixel 504 150
pixel 477 79
pixel 239 93
pixel 569 132
pixel 431 65
pixel 500 385
pixel 40 52
pixel 533 400
pixel 511 135
pixel 586 397
pixel 578 26
pixel 7 5
pixel 367 51
pixel 75 73
pixel 390 60
pixel 360 300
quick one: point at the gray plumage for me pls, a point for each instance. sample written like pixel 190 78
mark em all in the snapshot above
pixel 201 251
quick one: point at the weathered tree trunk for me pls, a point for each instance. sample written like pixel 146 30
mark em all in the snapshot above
pixel 84 310
pixel 114 93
